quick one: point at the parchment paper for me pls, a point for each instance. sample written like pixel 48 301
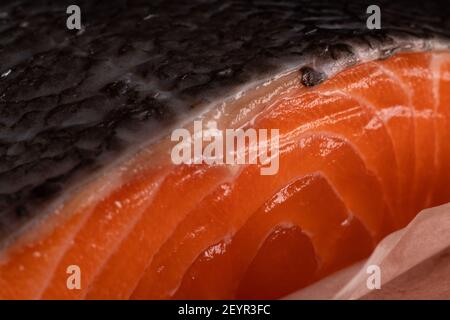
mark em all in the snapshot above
pixel 414 264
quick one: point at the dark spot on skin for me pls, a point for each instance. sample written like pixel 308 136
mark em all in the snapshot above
pixel 125 49
pixel 341 51
pixel 46 190
pixel 115 89
pixel 310 77
pixel 21 211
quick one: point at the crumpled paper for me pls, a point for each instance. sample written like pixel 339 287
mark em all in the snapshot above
pixel 414 263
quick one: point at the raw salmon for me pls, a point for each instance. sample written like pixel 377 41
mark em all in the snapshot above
pixel 92 203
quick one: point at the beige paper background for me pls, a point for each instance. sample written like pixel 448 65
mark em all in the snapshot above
pixel 414 263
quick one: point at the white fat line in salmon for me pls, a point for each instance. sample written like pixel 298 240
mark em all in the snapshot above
pixel 229 146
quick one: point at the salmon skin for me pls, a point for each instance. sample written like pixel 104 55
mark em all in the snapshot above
pixel 86 177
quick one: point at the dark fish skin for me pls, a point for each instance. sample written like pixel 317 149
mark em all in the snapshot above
pixel 71 101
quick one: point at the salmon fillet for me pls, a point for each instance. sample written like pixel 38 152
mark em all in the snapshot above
pixel 87 174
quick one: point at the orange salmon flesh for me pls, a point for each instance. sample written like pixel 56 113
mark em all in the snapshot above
pixel 360 155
